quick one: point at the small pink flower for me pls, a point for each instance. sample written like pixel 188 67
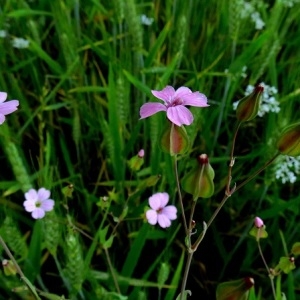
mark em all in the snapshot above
pixel 141 153
pixel 174 104
pixel 160 212
pixel 7 107
pixel 258 222
pixel 38 202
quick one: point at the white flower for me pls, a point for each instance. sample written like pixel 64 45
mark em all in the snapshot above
pixel 3 33
pixel 287 168
pixel 20 43
pixel 259 23
pixel 146 21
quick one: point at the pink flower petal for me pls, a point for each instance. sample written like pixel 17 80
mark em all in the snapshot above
pixel 151 108
pixel 180 115
pixel 9 107
pixel 164 199
pixel 163 221
pixel 166 94
pixel 38 213
pixel 29 205
pixel 195 99
pixel 43 194
pixel 151 216
pixel 155 202
pixel 2 119
pixel 3 96
pixel 170 211
pixel 47 205
pixel 182 92
pixel 31 195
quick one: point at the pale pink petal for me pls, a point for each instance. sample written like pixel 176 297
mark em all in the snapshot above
pixel 167 94
pixel 170 212
pixel 9 107
pixel 31 195
pixel 182 92
pixel 155 201
pixel 195 99
pixel 180 115
pixel 163 221
pixel 38 213
pixel 151 108
pixel 164 199
pixel 29 205
pixel 2 119
pixel 47 205
pixel 3 96
pixel 43 194
pixel 151 216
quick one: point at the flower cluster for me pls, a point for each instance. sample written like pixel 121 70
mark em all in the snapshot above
pixel 247 10
pixel 38 202
pixel 16 42
pixel 146 21
pixel 287 168
pixel 7 107
pixel 161 213
pixel 174 104
pixel 268 101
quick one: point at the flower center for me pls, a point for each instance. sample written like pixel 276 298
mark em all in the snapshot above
pixel 174 102
pixel 38 203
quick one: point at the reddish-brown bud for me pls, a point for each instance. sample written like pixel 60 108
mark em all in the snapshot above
pixel 247 108
pixel 289 141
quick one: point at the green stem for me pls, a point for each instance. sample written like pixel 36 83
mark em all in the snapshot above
pixel 180 196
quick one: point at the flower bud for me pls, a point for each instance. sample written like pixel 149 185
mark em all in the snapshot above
pixel 286 265
pixel 174 139
pixel 247 108
pixel 289 141
pixel 296 249
pixel 258 222
pixel 136 162
pixel 199 182
pixel 235 289
pixel 9 268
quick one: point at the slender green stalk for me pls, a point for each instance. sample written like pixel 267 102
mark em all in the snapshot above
pixel 180 196
pixel 267 268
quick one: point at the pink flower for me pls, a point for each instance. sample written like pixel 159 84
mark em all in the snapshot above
pixel 141 153
pixel 7 107
pixel 258 222
pixel 38 202
pixel 160 212
pixel 174 104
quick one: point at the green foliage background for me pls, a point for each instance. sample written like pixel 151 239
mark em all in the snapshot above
pixel 89 67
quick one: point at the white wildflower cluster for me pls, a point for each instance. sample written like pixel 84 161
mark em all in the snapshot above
pixel 146 21
pixel 247 10
pixel 289 3
pixel 268 101
pixel 287 168
pixel 16 42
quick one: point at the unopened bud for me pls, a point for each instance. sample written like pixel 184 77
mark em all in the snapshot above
pixel 258 222
pixel 141 153
pixel 199 182
pixel 174 139
pixel 236 289
pixel 289 141
pixel 9 268
pixel 247 108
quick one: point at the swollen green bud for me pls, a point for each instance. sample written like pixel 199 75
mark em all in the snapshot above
pixel 289 141
pixel 199 182
pixel 247 108
pixel 296 249
pixel 235 290
pixel 174 139
pixel 9 268
pixel 286 265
